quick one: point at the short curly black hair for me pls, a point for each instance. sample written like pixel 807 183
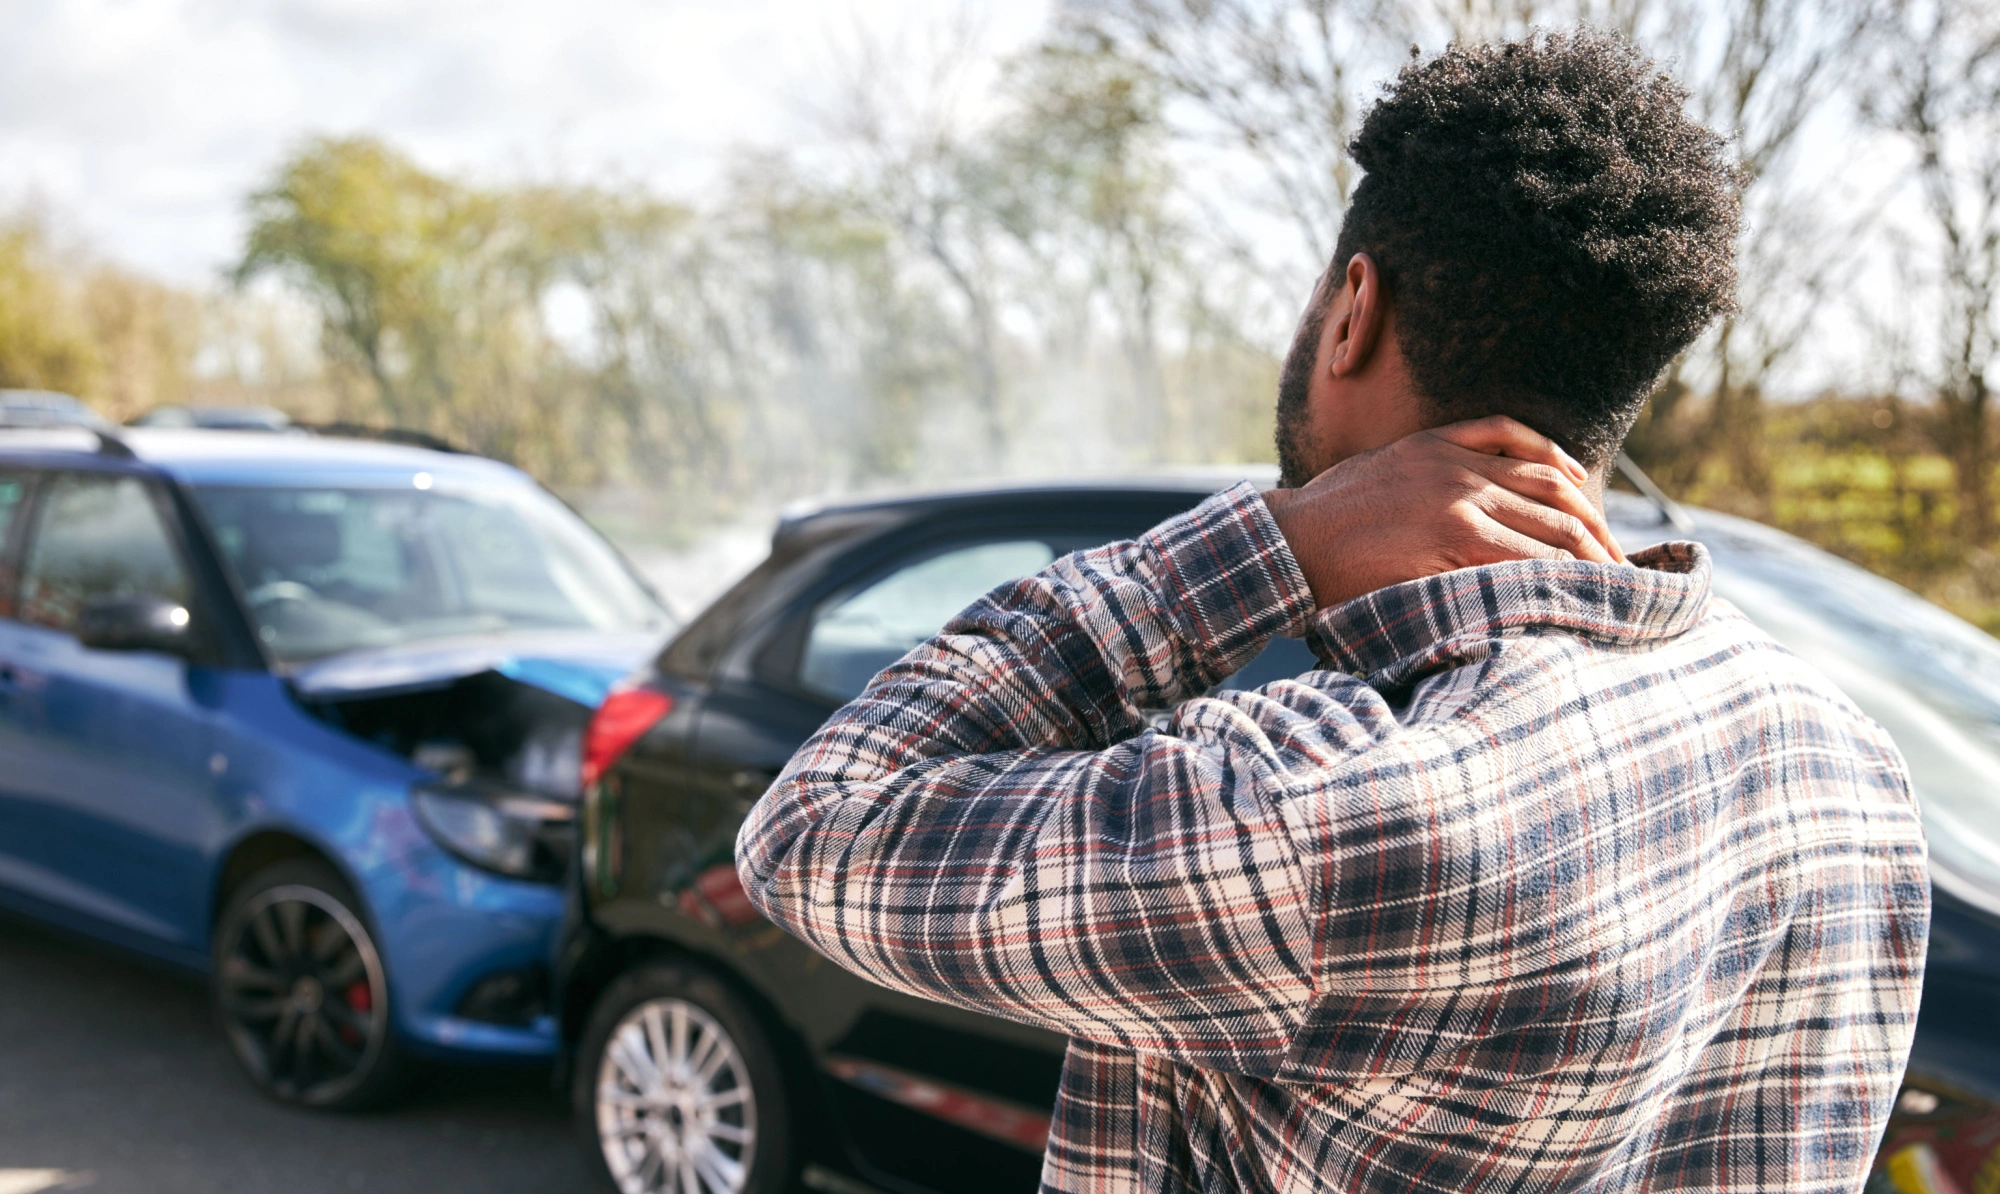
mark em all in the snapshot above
pixel 1551 227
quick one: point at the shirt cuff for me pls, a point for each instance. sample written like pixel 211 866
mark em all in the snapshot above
pixel 1231 578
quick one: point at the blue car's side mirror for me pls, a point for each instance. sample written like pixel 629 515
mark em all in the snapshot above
pixel 136 624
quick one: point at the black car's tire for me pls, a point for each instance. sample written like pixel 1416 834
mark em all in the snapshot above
pixel 300 989
pixel 715 1114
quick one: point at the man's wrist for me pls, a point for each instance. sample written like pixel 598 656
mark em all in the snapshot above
pixel 1233 577
pixel 1286 509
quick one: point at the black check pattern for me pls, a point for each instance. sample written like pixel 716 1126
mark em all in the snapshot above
pixel 1559 877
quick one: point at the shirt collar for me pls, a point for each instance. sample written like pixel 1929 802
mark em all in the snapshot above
pixel 1394 636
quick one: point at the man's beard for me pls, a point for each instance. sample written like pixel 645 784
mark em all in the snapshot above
pixel 1295 467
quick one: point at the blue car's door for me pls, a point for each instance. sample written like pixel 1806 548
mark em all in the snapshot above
pixel 18 826
pixel 108 771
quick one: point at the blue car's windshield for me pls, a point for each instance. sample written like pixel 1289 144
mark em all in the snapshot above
pixel 326 570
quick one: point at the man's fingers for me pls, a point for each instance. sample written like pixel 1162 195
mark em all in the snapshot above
pixel 1565 532
pixel 1545 484
pixel 1498 543
pixel 1498 435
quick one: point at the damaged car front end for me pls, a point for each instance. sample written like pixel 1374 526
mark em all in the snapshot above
pixel 496 724
pixel 492 731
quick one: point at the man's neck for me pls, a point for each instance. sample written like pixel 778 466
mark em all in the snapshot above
pixel 1593 486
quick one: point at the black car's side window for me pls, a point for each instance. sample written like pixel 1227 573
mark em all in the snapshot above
pixel 856 634
pixel 97 537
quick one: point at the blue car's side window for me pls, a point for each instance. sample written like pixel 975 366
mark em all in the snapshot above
pixel 97 537
pixel 13 495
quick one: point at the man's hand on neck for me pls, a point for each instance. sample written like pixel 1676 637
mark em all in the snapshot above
pixel 1480 492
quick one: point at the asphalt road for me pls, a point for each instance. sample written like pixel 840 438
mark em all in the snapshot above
pixel 114 1080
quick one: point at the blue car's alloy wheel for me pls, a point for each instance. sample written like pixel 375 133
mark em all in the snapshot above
pixel 300 989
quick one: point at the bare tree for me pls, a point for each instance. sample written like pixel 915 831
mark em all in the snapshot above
pixel 899 113
pixel 1273 86
pixel 1941 94
pixel 1077 179
pixel 1778 63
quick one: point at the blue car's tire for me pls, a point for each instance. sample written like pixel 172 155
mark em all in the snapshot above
pixel 300 990
pixel 678 1090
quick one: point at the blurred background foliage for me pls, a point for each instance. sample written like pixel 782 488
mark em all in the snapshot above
pixel 1086 261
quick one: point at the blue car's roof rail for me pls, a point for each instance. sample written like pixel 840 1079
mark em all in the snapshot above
pixel 109 444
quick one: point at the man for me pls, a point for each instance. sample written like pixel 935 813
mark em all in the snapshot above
pixel 1560 876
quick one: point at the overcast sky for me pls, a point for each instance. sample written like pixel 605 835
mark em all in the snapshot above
pixel 141 124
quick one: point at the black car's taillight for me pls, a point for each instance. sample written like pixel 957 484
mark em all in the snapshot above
pixel 621 720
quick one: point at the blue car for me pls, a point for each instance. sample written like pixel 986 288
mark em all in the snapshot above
pixel 306 714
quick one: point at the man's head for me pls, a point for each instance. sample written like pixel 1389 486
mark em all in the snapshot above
pixel 1540 231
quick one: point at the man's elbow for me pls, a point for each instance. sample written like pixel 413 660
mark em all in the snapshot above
pixel 766 837
pixel 758 850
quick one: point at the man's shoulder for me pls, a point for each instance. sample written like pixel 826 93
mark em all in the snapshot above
pixel 1755 653
pixel 1723 664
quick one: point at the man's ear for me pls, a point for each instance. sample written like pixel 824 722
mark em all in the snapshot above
pixel 1359 328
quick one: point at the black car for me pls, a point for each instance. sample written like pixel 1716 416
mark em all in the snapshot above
pixel 714 1053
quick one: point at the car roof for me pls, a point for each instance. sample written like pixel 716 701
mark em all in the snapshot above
pixel 197 456
pixel 40 400
pixel 814 520
pixel 45 408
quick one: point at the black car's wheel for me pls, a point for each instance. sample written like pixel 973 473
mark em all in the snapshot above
pixel 300 990
pixel 678 1090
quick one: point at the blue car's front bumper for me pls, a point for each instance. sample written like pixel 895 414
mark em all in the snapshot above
pixel 445 926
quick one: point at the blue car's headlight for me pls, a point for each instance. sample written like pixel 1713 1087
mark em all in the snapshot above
pixel 513 834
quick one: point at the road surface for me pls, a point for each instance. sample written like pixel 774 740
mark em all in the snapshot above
pixel 113 1080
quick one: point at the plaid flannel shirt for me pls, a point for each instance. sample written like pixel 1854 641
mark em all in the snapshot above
pixel 1559 877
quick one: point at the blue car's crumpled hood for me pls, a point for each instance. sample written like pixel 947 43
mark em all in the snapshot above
pixel 579 666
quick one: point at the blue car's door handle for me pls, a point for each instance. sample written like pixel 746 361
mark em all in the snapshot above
pixel 14 678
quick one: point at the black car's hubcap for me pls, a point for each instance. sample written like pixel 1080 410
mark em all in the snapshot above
pixel 676 1113
pixel 301 988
